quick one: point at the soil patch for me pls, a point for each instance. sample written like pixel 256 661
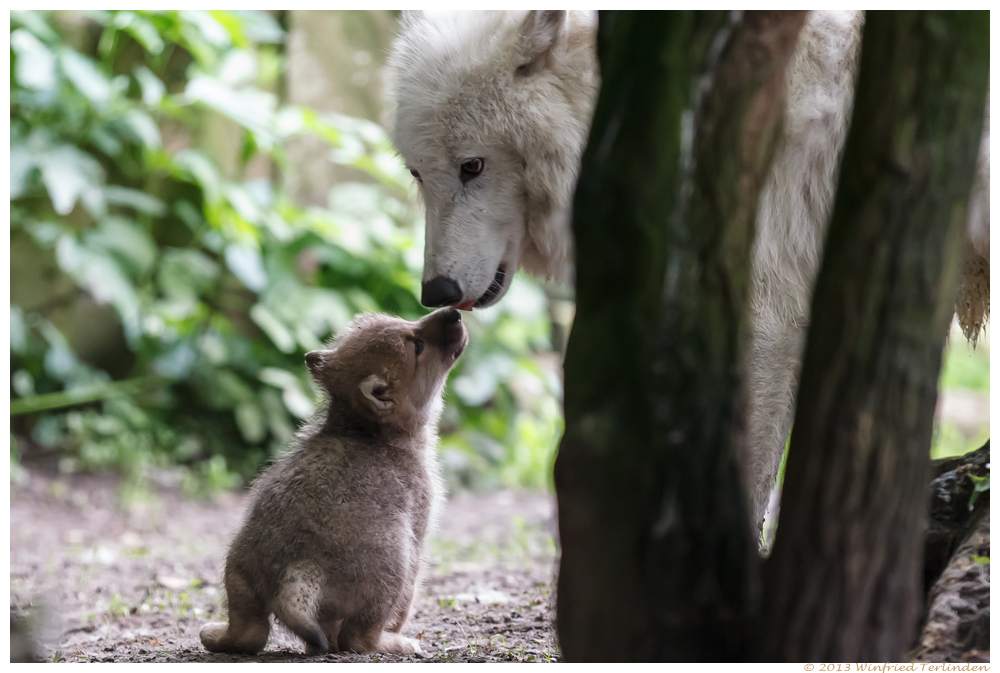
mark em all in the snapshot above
pixel 99 578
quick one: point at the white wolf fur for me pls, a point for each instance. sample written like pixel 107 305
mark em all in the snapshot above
pixel 518 89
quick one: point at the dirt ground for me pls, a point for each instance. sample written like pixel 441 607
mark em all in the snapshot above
pixel 103 580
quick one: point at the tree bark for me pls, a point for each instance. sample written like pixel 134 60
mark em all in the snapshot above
pixel 844 580
pixel 958 615
pixel 957 503
pixel 658 562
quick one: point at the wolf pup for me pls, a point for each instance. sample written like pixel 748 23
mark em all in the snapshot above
pixel 333 538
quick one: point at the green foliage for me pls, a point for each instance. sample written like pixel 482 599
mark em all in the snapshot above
pixel 221 283
pixel 964 366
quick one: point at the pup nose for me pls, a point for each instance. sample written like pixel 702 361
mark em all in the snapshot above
pixel 451 315
pixel 441 291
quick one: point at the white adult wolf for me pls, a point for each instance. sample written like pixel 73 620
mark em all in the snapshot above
pixel 491 112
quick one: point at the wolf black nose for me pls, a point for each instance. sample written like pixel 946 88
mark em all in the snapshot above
pixel 441 291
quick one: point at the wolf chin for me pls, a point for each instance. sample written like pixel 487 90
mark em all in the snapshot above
pixel 491 112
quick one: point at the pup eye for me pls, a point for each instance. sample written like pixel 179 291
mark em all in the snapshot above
pixel 416 174
pixel 418 346
pixel 471 169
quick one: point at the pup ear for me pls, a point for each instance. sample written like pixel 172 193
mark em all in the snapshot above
pixel 376 392
pixel 539 33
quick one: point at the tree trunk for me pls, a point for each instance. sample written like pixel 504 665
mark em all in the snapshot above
pixel 844 580
pixel 658 562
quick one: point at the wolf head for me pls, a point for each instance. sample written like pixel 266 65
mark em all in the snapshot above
pixel 491 113
pixel 389 372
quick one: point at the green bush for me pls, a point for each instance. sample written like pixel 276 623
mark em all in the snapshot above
pixel 219 284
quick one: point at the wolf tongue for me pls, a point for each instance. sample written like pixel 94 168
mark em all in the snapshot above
pixel 467 306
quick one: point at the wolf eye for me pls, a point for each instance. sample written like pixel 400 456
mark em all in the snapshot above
pixel 416 174
pixel 471 169
pixel 418 346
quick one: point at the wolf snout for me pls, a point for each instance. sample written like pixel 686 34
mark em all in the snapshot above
pixel 444 329
pixel 450 316
pixel 440 291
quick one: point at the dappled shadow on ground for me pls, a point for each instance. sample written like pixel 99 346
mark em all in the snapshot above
pixel 101 580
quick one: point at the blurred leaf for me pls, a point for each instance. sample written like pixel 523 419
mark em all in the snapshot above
pixel 295 400
pixel 18 330
pixel 276 415
pixel 238 67
pixel 36 65
pixel 260 27
pixel 142 30
pixel 152 88
pixel 103 279
pixel 34 23
pixel 85 76
pixel 250 421
pixel 249 108
pixel 23 383
pixel 68 174
pixel 275 330
pixel 129 240
pixel 186 273
pixel 176 362
pixel 133 198
pixel 210 29
pixel 202 170
pixel 142 126
pixel 245 262
pixel 22 163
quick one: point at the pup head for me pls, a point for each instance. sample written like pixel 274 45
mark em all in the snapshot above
pixel 389 372
pixel 491 116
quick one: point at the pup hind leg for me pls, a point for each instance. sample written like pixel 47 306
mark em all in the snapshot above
pixel 331 629
pixel 361 638
pixel 248 627
pixel 297 606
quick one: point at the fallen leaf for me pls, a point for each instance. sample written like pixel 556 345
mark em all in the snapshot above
pixel 173 583
pixel 155 641
pixel 420 635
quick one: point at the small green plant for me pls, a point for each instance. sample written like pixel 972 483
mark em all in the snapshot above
pixel 981 485
pixel 119 607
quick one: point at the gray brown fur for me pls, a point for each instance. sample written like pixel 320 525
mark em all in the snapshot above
pixel 332 541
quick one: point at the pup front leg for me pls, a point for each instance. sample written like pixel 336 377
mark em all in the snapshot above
pixel 402 608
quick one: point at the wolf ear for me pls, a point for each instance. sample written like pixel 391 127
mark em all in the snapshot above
pixel 376 393
pixel 539 33
pixel 411 17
